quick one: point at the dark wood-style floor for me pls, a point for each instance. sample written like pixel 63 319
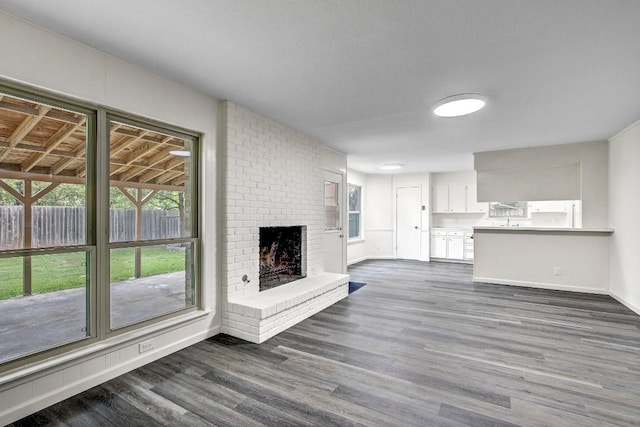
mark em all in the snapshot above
pixel 420 344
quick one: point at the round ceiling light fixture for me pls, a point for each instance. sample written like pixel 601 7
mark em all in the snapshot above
pixel 459 105
pixel 391 166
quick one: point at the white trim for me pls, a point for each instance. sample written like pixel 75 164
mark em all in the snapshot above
pixel 357 260
pixel 366 258
pixel 58 394
pixel 38 369
pixel 541 285
pixel 625 130
pixel 624 302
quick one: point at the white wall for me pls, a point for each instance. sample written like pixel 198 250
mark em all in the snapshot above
pixel 40 58
pixel 624 208
pixel 356 248
pixel 592 157
pixel 378 216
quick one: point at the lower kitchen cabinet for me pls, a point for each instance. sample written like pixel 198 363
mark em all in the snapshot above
pixel 450 244
pixel 439 246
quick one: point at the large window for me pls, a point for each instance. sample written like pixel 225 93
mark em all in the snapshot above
pixel 355 215
pixel 59 190
pixel 151 222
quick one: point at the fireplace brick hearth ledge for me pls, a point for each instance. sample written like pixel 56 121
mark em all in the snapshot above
pixel 258 317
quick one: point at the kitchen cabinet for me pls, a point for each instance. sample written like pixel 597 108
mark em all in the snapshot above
pixel 468 245
pixel 451 244
pixel 455 246
pixel 449 198
pixel 439 244
pixel 457 198
pixel 549 206
pixel 440 198
pixel 472 201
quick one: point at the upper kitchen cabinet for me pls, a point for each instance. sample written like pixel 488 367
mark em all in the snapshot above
pixel 549 206
pixel 472 201
pixel 448 198
pixel 455 198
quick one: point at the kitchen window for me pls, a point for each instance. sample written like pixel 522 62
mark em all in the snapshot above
pixel 508 210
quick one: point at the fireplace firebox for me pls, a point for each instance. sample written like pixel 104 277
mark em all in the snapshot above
pixel 283 252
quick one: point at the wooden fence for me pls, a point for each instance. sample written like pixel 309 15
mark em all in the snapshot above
pixel 62 225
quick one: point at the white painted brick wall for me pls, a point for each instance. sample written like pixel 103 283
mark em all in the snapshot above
pixel 273 176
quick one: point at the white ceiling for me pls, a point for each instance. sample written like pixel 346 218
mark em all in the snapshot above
pixel 361 75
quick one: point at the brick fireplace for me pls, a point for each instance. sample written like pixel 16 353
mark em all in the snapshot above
pixel 273 181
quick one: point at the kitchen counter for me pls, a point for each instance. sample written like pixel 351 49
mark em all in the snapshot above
pixel 543 230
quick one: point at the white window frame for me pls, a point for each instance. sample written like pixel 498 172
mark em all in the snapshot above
pixel 97 207
pixel 360 235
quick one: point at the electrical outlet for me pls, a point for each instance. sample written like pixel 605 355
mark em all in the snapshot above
pixel 557 271
pixel 145 346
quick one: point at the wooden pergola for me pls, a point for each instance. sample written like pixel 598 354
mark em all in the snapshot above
pixel 48 144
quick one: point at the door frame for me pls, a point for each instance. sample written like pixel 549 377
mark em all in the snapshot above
pixel 327 175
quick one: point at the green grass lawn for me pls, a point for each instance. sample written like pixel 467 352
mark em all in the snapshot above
pixel 66 271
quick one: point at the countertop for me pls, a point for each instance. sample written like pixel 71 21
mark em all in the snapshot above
pixel 544 230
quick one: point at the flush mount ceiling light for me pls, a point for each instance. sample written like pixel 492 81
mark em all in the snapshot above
pixel 459 105
pixel 391 166
pixel 180 153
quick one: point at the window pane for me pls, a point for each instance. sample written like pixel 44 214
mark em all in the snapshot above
pixel 331 206
pixel 354 225
pixel 164 282
pixel 354 198
pixel 508 209
pixel 150 194
pixel 42 175
pixel 56 311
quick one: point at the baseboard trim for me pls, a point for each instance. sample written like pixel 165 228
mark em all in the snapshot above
pixel 540 285
pixel 626 303
pixel 366 258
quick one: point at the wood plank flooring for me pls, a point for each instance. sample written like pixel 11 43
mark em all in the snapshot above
pixel 420 345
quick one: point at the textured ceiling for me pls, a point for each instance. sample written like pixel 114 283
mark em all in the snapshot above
pixel 361 75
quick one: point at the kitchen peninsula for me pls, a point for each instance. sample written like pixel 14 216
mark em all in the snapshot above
pixel 574 259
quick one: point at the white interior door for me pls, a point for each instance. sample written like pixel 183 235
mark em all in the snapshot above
pixel 334 258
pixel 408 222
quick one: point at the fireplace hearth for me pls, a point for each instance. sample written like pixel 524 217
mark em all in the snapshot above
pixel 282 255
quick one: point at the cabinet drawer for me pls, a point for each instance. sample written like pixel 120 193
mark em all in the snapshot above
pixel 438 233
pixel 455 233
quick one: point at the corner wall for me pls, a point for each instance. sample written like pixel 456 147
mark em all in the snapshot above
pixel 624 178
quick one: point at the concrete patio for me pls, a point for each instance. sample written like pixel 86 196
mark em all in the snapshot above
pixel 37 322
